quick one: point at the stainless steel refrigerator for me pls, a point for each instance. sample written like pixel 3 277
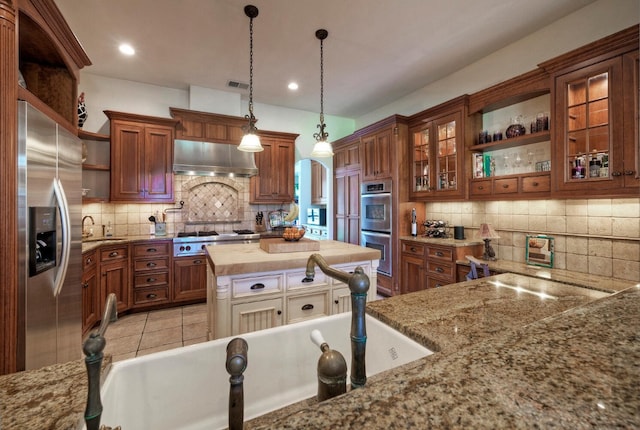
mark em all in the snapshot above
pixel 49 234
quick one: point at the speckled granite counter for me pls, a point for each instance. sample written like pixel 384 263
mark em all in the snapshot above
pixel 51 398
pixel 506 359
pixel 447 242
pixel 95 242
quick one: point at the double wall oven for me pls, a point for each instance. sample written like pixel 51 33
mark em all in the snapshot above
pixel 375 220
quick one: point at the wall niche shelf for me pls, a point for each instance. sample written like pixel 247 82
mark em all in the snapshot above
pixel 514 141
pixel 96 168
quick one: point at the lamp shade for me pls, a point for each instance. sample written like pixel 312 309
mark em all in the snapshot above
pixel 322 149
pixel 250 143
pixel 487 232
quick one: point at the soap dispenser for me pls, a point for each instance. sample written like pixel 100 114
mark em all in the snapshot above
pixel 332 369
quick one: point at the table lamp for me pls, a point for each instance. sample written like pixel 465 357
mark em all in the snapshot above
pixel 487 233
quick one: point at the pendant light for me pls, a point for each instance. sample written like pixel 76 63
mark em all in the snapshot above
pixel 322 148
pixel 250 141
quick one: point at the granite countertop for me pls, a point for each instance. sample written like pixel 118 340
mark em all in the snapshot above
pixel 250 258
pixel 91 243
pixel 511 351
pixel 447 242
pixel 504 359
pixel 50 398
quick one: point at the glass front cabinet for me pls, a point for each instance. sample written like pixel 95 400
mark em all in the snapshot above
pixel 596 135
pixel 437 154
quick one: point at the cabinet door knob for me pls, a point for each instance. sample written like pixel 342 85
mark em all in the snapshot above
pixel 616 174
pixel 481 187
pixel 336 301
pixel 85 285
pixel 279 312
pixel 307 307
pixel 257 286
pixel 629 172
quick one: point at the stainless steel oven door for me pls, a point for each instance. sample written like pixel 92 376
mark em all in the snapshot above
pixel 381 242
pixel 376 212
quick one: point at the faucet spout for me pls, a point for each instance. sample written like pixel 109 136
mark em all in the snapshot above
pixel 358 283
pixel 92 348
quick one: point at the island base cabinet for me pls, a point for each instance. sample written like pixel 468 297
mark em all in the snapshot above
pixel 243 303
pixel 253 316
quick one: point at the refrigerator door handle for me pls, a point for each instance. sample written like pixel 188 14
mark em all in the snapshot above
pixel 65 221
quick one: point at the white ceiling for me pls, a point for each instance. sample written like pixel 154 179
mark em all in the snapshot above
pixel 377 50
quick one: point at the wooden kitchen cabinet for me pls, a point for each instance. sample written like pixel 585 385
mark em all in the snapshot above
pixel 319 186
pixel 346 189
pixel 90 291
pixel 151 273
pixel 595 90
pixel 431 265
pixel 275 180
pixel 208 127
pixel 376 154
pixel 141 158
pixel 437 156
pixel 114 275
pixel 189 279
pixel 253 316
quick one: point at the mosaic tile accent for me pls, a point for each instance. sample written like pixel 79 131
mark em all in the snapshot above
pixel 213 199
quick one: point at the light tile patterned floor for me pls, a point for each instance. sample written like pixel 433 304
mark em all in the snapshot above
pixel 146 332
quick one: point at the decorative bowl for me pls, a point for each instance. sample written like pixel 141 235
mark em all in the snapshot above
pixel 515 130
pixel 293 234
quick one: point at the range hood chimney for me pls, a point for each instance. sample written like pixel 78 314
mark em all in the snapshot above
pixel 212 159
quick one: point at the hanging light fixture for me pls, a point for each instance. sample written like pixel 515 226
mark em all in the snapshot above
pixel 322 148
pixel 250 141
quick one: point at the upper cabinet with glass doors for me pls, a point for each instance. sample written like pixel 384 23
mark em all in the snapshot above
pixel 596 118
pixel 436 158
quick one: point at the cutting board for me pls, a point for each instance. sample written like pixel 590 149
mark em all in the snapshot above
pixel 275 245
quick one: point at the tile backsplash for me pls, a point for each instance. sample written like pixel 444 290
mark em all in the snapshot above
pixel 595 236
pixel 223 201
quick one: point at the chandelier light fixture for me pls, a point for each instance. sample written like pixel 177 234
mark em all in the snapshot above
pixel 322 147
pixel 250 141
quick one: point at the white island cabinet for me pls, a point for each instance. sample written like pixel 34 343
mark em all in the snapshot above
pixel 249 289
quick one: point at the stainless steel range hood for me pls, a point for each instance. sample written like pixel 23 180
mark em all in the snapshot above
pixel 212 159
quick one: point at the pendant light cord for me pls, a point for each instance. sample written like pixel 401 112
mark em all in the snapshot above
pixel 251 68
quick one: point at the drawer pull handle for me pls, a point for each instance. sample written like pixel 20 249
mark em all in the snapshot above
pixel 629 172
pixel 151 279
pixel 616 174
pixel 197 261
pixel 279 312
pixel 151 296
pixel 151 264
pixel 439 269
pixel 89 260
pixel 113 254
pixel 307 307
pixel 413 249
pixel 481 187
pixel 438 285
pixel 257 286
pixel 440 253
pixel 505 186
pixel 336 301
pixel 152 250
pixel 535 184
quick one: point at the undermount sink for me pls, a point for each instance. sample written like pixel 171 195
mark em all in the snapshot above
pixel 100 239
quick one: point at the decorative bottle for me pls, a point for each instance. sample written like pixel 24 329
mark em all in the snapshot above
pixel 414 223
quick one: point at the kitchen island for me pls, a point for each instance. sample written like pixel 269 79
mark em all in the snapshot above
pixel 251 289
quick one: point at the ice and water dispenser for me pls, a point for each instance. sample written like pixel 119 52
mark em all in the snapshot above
pixel 42 239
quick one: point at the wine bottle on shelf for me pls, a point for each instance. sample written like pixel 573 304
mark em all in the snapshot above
pixel 414 223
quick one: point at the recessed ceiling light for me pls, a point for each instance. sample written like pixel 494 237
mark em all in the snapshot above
pixel 292 86
pixel 127 49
